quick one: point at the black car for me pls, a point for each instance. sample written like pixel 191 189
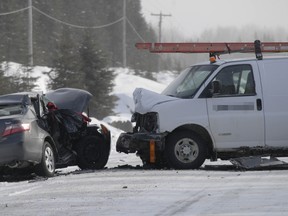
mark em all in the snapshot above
pixel 50 131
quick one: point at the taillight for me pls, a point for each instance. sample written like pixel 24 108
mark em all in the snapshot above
pixel 15 128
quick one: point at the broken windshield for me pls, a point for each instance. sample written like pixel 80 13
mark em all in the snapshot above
pixel 189 80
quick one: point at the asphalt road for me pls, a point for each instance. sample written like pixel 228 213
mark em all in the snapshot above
pixel 132 190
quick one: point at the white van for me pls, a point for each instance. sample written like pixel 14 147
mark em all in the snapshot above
pixel 223 110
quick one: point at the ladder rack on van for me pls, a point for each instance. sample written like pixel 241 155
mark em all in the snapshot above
pixel 215 49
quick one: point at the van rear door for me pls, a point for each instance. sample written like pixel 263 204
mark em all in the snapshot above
pixel 274 77
pixel 235 112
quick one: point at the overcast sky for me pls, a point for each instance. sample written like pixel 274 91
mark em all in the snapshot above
pixel 191 17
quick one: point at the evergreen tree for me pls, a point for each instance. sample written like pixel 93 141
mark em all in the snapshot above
pixel 66 64
pixel 13 31
pixel 84 68
pixel 6 83
pixel 98 79
pixel 16 83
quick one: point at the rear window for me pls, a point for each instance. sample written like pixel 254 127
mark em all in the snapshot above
pixel 11 109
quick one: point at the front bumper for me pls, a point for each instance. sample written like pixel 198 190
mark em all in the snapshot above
pixel 133 142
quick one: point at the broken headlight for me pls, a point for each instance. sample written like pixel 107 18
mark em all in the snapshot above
pixel 145 122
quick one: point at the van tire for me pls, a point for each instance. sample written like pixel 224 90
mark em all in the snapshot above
pixel 47 165
pixel 185 150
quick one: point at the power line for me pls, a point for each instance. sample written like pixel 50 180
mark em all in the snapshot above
pixel 77 26
pixel 60 21
pixel 134 30
pixel 123 18
pixel 16 11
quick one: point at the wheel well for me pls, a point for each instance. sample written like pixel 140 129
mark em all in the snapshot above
pixel 51 142
pixel 202 132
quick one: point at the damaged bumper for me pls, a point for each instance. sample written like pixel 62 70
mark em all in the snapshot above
pixel 133 142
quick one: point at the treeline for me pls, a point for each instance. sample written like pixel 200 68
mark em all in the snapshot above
pixel 53 20
pixel 78 40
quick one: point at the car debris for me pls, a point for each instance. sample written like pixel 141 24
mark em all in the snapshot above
pixel 256 162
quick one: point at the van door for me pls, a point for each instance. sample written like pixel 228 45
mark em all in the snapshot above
pixel 274 77
pixel 235 110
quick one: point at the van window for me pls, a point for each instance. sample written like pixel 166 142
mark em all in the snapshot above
pixel 234 80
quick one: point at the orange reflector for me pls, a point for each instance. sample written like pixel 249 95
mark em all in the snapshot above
pixel 212 59
pixel 152 151
pixel 104 129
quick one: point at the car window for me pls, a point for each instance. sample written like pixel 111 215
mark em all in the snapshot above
pixel 11 109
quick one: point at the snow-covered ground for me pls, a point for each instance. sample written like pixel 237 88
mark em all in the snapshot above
pixel 215 189
pixel 150 192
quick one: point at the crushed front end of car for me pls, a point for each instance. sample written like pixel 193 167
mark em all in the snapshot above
pixel 144 140
pixel 78 141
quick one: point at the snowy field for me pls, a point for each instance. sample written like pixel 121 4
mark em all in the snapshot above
pixel 124 188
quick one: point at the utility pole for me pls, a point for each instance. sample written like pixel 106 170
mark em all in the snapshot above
pixel 30 34
pixel 160 23
pixel 124 34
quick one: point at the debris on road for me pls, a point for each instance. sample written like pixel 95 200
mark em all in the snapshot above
pixel 255 162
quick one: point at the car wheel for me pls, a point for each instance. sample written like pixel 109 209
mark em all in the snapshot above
pixel 185 150
pixel 47 165
pixel 92 153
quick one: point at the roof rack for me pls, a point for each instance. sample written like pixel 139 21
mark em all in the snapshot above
pixel 217 48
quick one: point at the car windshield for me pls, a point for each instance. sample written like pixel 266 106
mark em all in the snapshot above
pixel 189 80
pixel 10 109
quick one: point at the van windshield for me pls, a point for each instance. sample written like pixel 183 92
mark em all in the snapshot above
pixel 189 80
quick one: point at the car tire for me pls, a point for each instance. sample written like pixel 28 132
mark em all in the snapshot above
pixel 92 153
pixel 185 150
pixel 47 165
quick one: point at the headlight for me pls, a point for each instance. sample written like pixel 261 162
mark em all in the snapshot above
pixel 145 122
pixel 150 121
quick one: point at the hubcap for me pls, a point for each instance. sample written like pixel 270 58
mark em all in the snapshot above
pixel 49 159
pixel 186 150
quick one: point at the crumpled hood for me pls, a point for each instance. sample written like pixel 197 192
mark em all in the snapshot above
pixel 145 100
pixel 70 98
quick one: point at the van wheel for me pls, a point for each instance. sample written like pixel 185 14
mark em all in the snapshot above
pixel 47 164
pixel 185 150
pixel 92 153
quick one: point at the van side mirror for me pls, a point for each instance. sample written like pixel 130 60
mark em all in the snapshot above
pixel 212 89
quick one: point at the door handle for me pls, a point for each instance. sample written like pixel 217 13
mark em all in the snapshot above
pixel 259 104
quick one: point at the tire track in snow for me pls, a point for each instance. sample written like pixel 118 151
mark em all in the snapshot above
pixel 181 206
pixel 23 191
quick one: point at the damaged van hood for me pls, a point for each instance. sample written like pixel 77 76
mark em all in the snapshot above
pixel 145 100
pixel 70 98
